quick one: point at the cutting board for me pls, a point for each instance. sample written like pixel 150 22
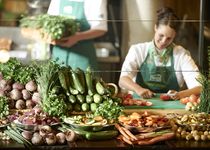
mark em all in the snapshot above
pixel 158 104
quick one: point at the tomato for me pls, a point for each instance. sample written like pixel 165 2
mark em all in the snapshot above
pixel 193 98
pixel 184 100
pixel 128 96
pixel 165 97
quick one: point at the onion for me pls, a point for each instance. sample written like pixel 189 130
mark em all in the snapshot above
pixel 15 94
pixel 44 130
pixel 70 135
pixel 3 84
pixel 36 97
pixel 30 104
pixel 18 86
pixel 26 94
pixel 20 104
pixel 37 139
pixel 50 139
pixel 31 86
pixel 27 135
pixel 61 139
pixel 37 109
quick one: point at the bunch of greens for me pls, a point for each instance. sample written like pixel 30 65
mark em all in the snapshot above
pixel 109 110
pixel 47 79
pixel 17 71
pixel 4 107
pixel 55 26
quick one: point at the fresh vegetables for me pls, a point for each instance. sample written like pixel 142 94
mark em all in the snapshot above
pixel 55 26
pixel 165 97
pixel 143 138
pixel 128 100
pixel 109 109
pixel 15 134
pixel 47 78
pixel 101 135
pixel 193 126
pixel 15 70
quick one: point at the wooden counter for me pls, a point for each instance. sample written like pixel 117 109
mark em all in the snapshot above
pixel 114 145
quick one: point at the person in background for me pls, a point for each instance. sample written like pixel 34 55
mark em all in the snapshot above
pixel 78 50
pixel 160 65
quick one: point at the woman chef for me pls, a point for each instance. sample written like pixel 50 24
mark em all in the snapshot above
pixel 159 65
pixel 78 50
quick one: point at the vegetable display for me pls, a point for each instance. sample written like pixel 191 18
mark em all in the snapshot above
pixel 193 126
pixel 47 78
pixel 55 26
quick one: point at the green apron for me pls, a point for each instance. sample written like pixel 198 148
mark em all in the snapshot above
pixel 83 53
pixel 158 79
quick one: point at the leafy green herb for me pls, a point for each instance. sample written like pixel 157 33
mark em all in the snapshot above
pixel 56 26
pixel 47 79
pixel 17 71
pixel 109 110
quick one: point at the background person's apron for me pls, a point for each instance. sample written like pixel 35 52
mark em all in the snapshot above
pixel 158 79
pixel 82 54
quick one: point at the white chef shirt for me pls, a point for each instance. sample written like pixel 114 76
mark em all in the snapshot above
pixel 185 68
pixel 95 11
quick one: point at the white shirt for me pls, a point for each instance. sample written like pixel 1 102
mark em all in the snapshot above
pixel 185 68
pixel 95 11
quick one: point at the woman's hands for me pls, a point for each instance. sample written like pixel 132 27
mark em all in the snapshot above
pixel 79 36
pixel 144 93
pixel 66 41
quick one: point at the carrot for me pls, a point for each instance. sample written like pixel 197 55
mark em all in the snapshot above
pixel 133 137
pixel 154 140
pixel 127 140
pixel 151 134
pixel 122 131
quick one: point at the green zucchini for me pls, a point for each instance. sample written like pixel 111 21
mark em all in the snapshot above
pixel 100 88
pixel 81 76
pixel 63 80
pixel 80 98
pixel 72 87
pixel 72 99
pixel 101 135
pixel 77 82
pixel 89 82
pixel 89 99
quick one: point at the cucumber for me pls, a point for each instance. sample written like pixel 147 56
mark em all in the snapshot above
pixel 62 78
pixel 89 82
pixel 72 99
pixel 100 88
pixel 101 135
pixel 81 76
pixel 80 98
pixel 85 107
pixel 77 82
pixel 97 98
pixel 89 99
pixel 72 87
